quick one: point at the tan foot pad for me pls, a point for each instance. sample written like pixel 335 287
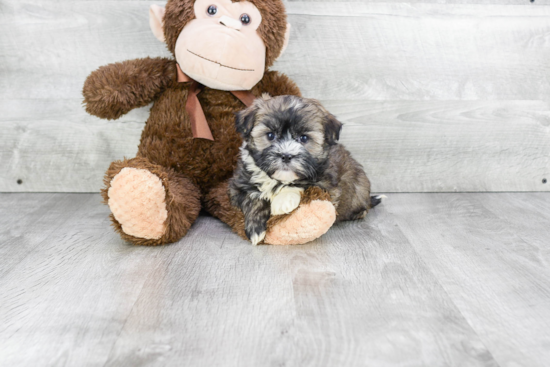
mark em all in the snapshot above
pixel 308 222
pixel 136 199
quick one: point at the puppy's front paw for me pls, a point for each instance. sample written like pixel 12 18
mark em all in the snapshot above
pixel 255 230
pixel 286 201
pixel 257 238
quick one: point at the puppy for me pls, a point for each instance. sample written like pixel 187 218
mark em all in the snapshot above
pixel 291 143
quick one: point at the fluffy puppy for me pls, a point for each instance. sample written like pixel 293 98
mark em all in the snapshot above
pixel 291 143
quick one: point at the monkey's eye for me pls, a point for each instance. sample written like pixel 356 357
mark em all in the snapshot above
pixel 245 19
pixel 212 10
pixel 270 136
pixel 304 138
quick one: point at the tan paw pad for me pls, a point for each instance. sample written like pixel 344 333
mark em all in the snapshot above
pixel 308 222
pixel 136 199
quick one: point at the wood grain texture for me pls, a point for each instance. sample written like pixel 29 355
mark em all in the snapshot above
pixel 490 252
pixel 61 148
pixel 404 145
pixel 360 295
pixel 337 50
pixel 456 88
pixel 67 292
pixel 27 220
pixel 401 51
pixel 54 46
pixel 499 2
pixel 445 146
pixel 317 305
pixel 449 2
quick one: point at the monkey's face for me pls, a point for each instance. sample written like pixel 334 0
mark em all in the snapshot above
pixel 223 44
pixel 288 137
pixel 221 47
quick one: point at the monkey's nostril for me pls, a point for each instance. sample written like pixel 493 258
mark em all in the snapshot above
pixel 286 158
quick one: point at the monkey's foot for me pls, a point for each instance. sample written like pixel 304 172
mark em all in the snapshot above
pixel 137 201
pixel 308 222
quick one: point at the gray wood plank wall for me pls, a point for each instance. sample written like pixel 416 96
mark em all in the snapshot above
pixel 435 95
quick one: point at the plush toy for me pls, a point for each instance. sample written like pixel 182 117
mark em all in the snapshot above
pixel 189 146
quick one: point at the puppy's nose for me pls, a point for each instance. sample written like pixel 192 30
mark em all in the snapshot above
pixel 286 158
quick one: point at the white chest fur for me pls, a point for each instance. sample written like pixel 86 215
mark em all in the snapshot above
pixel 283 198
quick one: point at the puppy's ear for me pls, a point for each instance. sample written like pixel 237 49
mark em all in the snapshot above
pixel 332 129
pixel 244 121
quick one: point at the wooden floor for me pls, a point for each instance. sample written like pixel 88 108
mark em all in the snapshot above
pixel 425 280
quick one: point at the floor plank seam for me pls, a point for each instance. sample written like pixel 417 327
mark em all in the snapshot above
pixel 444 289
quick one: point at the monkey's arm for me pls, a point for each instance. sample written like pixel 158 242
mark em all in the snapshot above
pixel 113 90
pixel 276 84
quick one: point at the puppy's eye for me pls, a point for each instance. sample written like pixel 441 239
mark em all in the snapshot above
pixel 304 138
pixel 212 10
pixel 245 19
pixel 270 136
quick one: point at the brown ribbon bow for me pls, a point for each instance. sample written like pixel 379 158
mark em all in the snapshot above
pixel 199 125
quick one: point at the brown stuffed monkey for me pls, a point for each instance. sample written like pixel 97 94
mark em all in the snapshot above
pixel 189 146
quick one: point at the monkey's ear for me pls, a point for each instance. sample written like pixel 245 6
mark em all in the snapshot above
pixel 244 121
pixel 332 129
pixel 156 21
pixel 287 38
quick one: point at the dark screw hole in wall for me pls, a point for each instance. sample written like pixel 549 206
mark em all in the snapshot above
pixel 532 1
pixel 544 181
pixel 19 182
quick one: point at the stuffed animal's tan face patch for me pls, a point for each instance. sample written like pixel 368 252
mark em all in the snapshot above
pixel 221 47
pixel 223 44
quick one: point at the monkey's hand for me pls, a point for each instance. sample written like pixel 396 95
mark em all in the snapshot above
pixel 286 200
pixel 113 90
pixel 312 219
